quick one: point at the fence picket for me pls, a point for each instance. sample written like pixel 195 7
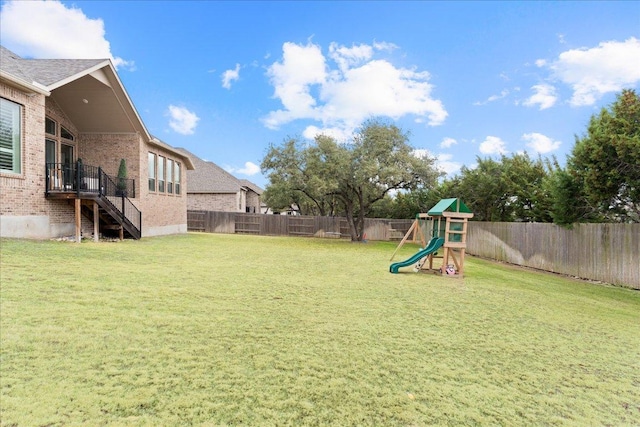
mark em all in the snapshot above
pixel 603 252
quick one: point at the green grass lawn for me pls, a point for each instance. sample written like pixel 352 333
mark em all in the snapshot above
pixel 206 329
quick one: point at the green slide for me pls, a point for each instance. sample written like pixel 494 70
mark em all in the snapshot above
pixel 433 246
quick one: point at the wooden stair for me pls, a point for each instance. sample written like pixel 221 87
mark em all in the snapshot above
pixel 110 217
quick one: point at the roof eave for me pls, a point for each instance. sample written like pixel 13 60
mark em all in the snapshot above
pixel 187 160
pixel 32 87
pixel 121 92
pixel 83 73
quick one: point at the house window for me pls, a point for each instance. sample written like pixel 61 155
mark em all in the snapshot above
pixel 177 178
pixel 50 154
pixel 59 144
pixel 169 176
pixel 152 172
pixel 10 136
pixel 161 163
pixel 66 134
pixel 50 126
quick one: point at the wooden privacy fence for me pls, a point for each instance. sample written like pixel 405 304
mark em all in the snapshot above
pixel 604 252
pixel 292 225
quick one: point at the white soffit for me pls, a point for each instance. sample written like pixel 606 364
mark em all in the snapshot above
pixel 101 77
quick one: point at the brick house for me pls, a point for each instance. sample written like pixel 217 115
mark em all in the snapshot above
pixel 65 126
pixel 254 201
pixel 211 188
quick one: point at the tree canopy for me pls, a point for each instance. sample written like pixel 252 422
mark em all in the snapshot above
pixel 602 178
pixel 377 174
pixel 328 177
pixel 509 189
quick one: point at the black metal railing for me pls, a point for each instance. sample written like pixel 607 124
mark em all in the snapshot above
pixel 117 195
pixel 80 179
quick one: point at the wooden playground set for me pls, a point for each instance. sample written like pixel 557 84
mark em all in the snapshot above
pixel 446 224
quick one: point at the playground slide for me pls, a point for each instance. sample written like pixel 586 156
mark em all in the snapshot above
pixel 435 244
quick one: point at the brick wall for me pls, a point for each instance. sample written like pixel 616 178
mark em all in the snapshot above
pixel 213 202
pixel 106 151
pixel 162 212
pixel 253 202
pixel 23 194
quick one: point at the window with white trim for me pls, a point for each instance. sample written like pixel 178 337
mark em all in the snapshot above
pixel 176 178
pixel 152 172
pixel 161 163
pixel 169 176
pixel 10 136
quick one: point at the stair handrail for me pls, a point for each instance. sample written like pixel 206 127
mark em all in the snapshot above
pixel 128 211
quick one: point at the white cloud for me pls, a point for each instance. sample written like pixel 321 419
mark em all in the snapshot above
pixel 421 153
pixel 385 46
pixel 444 163
pixel 493 145
pixel 544 96
pixel 348 57
pixel 609 67
pixel 493 98
pixel 339 134
pixel 230 76
pixel 448 142
pixel 540 143
pixel 357 87
pixel 249 169
pixel 301 67
pixel 182 120
pixel 49 29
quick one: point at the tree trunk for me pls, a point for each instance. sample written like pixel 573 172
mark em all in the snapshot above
pixel 348 211
pixel 359 221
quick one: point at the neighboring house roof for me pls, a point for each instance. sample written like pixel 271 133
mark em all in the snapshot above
pixel 89 91
pixel 209 177
pixel 253 187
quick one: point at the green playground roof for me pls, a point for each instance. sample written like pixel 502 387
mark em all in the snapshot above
pixel 448 205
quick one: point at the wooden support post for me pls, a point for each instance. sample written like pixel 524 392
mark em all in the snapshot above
pixel 96 222
pixel 78 221
pixel 461 266
pixel 445 261
pixel 404 239
pixel 452 254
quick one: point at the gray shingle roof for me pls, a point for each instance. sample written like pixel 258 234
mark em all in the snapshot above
pixel 160 143
pixel 250 185
pixel 43 71
pixel 12 64
pixel 209 177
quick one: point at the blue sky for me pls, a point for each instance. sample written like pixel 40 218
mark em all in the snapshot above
pixel 465 79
